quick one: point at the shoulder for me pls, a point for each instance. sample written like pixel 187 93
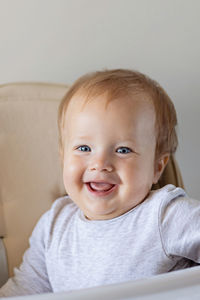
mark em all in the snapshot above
pixel 62 205
pixel 158 199
pixel 165 196
pixel 62 210
pixel 176 208
pixel 179 220
pixel 55 219
pixel 167 192
pixel 175 199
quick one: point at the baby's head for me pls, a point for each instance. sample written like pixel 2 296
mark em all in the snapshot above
pixel 117 130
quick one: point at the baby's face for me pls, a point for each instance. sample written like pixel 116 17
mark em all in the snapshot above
pixel 109 154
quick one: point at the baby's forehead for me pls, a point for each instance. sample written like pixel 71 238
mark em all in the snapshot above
pixel 116 122
pixel 126 111
pixel 81 101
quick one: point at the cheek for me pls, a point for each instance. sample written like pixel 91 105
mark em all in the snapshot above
pixel 139 172
pixel 72 172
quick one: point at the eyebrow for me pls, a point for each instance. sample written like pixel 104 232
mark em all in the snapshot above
pixel 84 137
pixel 128 141
pixel 80 138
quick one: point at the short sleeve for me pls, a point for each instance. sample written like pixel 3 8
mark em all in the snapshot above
pixel 31 277
pixel 179 222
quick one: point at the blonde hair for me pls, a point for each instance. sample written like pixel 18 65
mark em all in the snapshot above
pixel 119 83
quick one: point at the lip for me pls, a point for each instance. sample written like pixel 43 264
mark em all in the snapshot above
pixel 101 193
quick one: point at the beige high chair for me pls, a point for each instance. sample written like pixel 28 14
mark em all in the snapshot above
pixel 30 169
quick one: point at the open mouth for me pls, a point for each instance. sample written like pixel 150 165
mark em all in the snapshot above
pixel 100 188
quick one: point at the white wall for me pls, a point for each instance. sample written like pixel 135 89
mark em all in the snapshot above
pixel 59 40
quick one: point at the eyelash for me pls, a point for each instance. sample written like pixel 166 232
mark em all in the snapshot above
pixel 127 149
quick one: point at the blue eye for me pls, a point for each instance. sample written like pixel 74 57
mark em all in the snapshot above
pixel 84 148
pixel 124 150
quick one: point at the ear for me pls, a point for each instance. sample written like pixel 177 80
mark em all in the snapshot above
pixel 160 165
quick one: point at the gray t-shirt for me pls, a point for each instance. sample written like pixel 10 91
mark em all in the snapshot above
pixel 69 252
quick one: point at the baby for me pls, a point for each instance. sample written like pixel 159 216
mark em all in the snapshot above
pixel 117 132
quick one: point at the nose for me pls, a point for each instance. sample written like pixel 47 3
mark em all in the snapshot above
pixel 101 163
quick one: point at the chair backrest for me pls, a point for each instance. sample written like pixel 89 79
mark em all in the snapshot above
pixel 30 172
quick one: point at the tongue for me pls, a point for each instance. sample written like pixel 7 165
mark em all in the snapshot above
pixel 101 186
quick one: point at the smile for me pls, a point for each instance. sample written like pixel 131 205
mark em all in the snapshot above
pixel 100 188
